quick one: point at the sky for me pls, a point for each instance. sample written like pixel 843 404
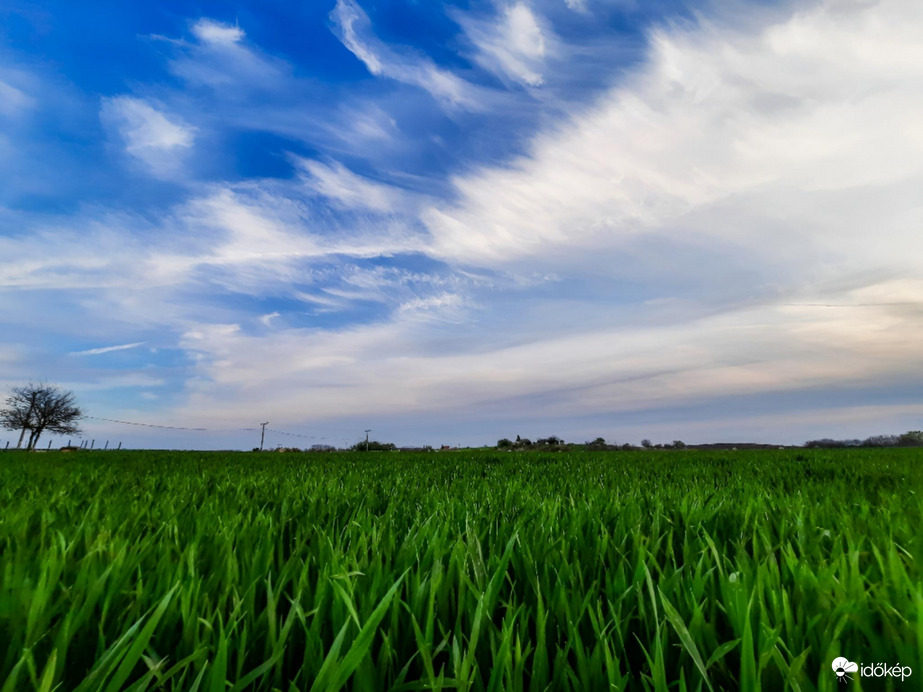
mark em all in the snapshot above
pixel 455 222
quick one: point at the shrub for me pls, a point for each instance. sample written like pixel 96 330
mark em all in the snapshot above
pixel 373 446
pixel 912 438
pixel 598 444
pixel 881 441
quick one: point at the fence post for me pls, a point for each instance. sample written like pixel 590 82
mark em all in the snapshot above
pixel 119 447
pixel 49 444
pixel 92 443
pixel 107 445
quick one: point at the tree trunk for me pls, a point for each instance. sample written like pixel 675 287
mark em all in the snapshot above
pixel 33 438
pixel 28 420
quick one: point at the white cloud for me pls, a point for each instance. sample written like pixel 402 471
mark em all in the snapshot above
pixel 221 59
pixel 350 20
pixel 345 188
pixel 13 101
pixel 447 307
pixel 355 32
pixel 216 33
pixel 522 29
pixel 576 5
pixel 156 139
pixel 269 231
pixel 267 319
pixel 404 368
pixel 370 124
pixel 116 382
pixel 758 151
pixel 723 136
pixel 107 349
pixel 512 45
pixel 249 239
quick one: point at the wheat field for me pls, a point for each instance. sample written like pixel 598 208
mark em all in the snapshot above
pixel 469 570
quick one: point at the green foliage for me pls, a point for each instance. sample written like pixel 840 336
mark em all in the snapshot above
pixel 553 442
pixel 473 570
pixel 373 446
pixel 599 444
pixel 544 444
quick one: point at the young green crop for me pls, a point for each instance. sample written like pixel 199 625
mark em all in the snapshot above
pixel 476 571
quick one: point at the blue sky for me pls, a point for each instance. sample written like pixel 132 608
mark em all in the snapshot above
pixel 454 222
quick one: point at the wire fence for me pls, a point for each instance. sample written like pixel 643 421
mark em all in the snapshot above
pixel 90 443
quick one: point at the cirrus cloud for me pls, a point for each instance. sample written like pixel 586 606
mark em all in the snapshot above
pixel 153 137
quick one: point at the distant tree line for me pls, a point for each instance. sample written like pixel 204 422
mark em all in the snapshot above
pixel 555 443
pixel 370 446
pixel 548 443
pixel 912 438
pixel 373 446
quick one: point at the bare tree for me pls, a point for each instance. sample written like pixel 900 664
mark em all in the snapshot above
pixel 20 406
pixel 37 408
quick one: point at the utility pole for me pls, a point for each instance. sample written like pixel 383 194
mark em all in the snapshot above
pixel 367 439
pixel 263 434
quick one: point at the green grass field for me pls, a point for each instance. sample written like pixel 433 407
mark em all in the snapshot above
pixel 677 570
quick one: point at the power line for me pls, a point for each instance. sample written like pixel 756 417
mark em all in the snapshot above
pixel 281 432
pixel 149 425
pixel 177 427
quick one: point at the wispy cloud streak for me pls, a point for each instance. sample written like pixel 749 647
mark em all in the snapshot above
pixel 107 349
pixel 355 31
